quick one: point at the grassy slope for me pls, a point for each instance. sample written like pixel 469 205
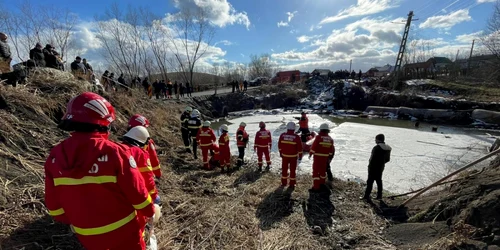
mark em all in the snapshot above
pixel 471 91
pixel 202 210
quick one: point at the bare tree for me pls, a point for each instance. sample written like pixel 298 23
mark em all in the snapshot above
pixel 191 35
pixel 260 66
pixel 216 72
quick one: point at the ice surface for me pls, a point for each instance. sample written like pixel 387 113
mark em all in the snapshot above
pixel 418 157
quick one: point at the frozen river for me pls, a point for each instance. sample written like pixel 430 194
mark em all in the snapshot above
pixel 418 158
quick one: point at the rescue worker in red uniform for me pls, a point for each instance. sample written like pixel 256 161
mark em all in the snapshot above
pixel 290 148
pixel 206 137
pixel 184 128
pixel 194 125
pixel 241 142
pixel 215 159
pixel 136 138
pixel 139 120
pixel 303 126
pixel 263 144
pixel 225 152
pixel 323 150
pixel 92 183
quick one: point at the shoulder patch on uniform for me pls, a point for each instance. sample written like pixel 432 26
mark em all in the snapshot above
pixel 132 162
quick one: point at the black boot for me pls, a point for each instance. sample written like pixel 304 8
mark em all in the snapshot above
pixel 268 168
pixel 260 168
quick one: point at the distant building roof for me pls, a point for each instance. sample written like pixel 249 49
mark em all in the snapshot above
pixel 322 71
pixel 439 59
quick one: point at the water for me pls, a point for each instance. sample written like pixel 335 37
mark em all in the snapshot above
pixel 419 156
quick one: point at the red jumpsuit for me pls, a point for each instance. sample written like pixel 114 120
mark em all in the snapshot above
pixel 93 184
pixel 225 152
pixel 206 137
pixel 155 162
pixel 290 147
pixel 144 165
pixel 323 150
pixel 241 142
pixel 263 143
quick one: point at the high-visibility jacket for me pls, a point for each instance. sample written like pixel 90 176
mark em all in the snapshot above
pixel 215 148
pixel 93 184
pixel 241 137
pixel 290 145
pixel 224 143
pixel 153 156
pixel 206 137
pixel 194 124
pixel 263 139
pixel 184 120
pixel 322 146
pixel 141 157
pixel 304 122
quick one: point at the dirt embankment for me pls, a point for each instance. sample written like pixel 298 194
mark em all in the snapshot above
pixel 202 210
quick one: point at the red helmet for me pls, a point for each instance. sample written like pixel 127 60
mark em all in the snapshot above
pixel 138 120
pixel 262 125
pixel 90 108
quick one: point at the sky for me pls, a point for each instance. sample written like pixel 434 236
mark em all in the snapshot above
pixel 309 34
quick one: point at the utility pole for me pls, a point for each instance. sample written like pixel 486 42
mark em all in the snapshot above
pixel 402 48
pixel 470 57
pixel 350 66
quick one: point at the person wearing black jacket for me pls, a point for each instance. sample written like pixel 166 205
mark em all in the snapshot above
pixel 194 125
pixel 381 154
pixel 157 89
pixel 188 89
pixel 37 56
pixel 5 54
pixel 185 128
pixel 50 58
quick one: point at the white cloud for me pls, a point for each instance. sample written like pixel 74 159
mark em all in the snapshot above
pixel 362 8
pixel 305 39
pixel 446 21
pixel 282 24
pixel 486 1
pixel 224 42
pixel 467 38
pixel 291 15
pixel 219 12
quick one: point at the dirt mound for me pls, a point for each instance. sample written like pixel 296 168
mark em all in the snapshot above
pixel 202 210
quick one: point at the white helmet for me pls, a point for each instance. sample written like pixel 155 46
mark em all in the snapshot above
pixel 290 126
pixel 195 113
pixel 138 133
pixel 206 124
pixel 188 109
pixel 243 124
pixel 224 127
pixel 324 126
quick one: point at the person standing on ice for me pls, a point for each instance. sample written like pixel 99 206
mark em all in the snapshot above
pixel 323 151
pixel 225 152
pixel 290 148
pixel 92 183
pixel 139 120
pixel 184 128
pixel 194 125
pixel 241 142
pixel 381 154
pixel 303 126
pixel 263 143
pixel 206 137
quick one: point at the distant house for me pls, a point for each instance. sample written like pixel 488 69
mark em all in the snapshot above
pixel 321 73
pixel 440 63
pixel 477 61
pixel 287 76
pixel 434 65
pixel 380 71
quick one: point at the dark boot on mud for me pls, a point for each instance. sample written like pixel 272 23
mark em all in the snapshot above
pixel 188 150
pixel 268 168
pixel 222 170
pixel 329 184
pixel 195 157
pixel 260 169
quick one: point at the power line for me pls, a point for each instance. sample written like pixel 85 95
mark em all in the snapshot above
pixel 432 8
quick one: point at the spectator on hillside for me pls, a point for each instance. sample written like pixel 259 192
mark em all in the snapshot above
pixel 157 89
pixel 176 86
pixel 88 67
pixel 121 80
pixel 245 85
pixel 188 89
pixel 169 89
pixel 36 55
pixel 5 55
pixel 181 89
pixel 105 81
pixel 145 86
pixel 50 57
pixel 233 85
pixel 112 82
pixel 77 66
pixel 163 87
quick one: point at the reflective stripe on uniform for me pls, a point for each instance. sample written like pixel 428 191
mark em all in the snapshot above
pixel 284 177
pixel 156 168
pixel 323 177
pixel 143 204
pixel 104 229
pixel 56 212
pixel 325 144
pixel 289 142
pixel 222 144
pixel 145 169
pixel 284 155
pixel 205 135
pixel 64 181
pixel 205 145
pixel 152 191
pixel 194 127
pixel 262 146
pixel 318 154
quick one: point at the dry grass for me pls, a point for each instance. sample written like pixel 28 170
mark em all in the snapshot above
pixel 202 210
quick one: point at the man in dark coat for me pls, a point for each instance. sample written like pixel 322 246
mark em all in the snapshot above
pixel 5 54
pixel 37 56
pixel 381 154
pixel 78 67
pixel 50 57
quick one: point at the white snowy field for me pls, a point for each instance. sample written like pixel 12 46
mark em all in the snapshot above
pixel 418 157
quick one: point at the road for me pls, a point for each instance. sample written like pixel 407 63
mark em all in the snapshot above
pixel 219 91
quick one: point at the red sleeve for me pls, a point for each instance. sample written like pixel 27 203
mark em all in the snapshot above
pixel 198 135
pixel 314 145
pixel 153 157
pixel 51 197
pixel 299 145
pixel 132 184
pixel 280 143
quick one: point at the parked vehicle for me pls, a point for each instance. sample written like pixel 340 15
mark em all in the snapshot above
pixel 258 81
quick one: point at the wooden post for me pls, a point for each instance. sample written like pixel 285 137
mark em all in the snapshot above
pixel 450 175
